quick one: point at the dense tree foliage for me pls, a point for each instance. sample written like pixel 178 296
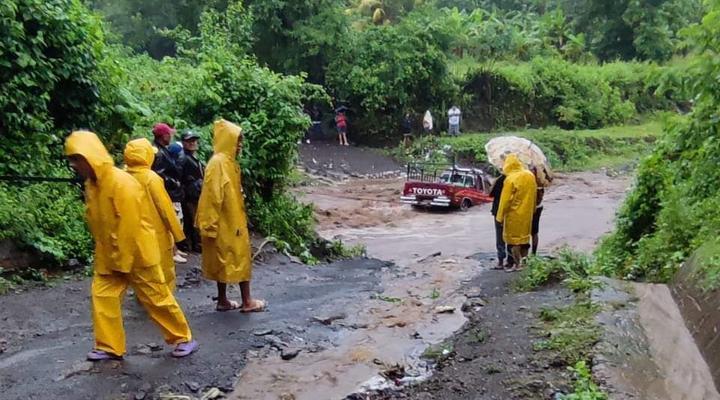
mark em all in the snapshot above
pixel 58 74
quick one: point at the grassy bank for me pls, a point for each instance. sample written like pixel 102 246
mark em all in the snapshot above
pixel 574 150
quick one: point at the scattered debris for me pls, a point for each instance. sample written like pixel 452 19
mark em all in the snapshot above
pixel 444 310
pixel 433 255
pixel 449 261
pixel 395 324
pixel 155 346
pixel 289 354
pixel 212 394
pixel 472 304
pixel 329 320
pixel 263 332
pixel 393 373
pixel 193 386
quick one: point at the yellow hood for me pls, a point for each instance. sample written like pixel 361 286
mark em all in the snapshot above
pixel 225 138
pixel 88 145
pixel 512 165
pixel 139 153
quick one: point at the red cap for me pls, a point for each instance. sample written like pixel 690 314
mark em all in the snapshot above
pixel 162 129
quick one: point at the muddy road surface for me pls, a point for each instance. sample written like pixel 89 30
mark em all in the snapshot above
pixel 48 331
pixel 440 258
pixel 330 331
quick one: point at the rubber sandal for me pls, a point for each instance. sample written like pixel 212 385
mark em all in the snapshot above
pixel 258 306
pixel 185 349
pixel 234 305
pixel 99 355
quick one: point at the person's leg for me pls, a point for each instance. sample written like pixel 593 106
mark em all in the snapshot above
pixel 106 295
pixel 536 230
pixel 160 304
pixel 340 138
pixel 196 241
pixel 524 251
pixel 168 269
pixel 344 135
pixel 222 300
pixel 517 256
pixel 188 227
pixel 500 244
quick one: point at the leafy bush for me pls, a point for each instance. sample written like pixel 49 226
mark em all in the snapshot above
pixel 48 219
pixel 575 269
pixel 110 90
pixel 674 207
pixel 549 91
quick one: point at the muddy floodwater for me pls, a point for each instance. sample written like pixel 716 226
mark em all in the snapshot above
pixel 432 251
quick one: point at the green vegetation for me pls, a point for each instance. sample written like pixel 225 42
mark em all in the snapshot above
pixel 584 388
pixel 674 208
pixel 573 269
pixel 570 332
pixel 387 299
pixel 438 352
pixel 566 150
pixel 60 74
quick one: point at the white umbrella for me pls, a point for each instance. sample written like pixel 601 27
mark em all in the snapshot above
pixel 528 152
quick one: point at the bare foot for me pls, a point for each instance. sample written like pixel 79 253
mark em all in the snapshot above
pixel 227 306
pixel 254 306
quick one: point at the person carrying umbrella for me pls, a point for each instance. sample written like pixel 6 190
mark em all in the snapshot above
pixel 516 208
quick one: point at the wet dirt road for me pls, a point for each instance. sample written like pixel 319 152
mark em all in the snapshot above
pixel 348 321
pixel 397 327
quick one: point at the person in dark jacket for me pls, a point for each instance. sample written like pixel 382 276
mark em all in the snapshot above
pixel 407 128
pixel 164 164
pixel 193 173
pixel 500 245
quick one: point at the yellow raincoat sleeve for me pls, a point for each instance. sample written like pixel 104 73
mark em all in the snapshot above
pixel 505 200
pixel 126 206
pixel 164 206
pixel 210 206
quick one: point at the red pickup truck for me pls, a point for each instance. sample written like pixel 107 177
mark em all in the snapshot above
pixel 454 187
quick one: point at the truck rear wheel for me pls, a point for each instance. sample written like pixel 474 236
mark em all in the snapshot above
pixel 465 205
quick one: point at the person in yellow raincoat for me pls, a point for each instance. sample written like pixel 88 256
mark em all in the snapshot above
pixel 126 252
pixel 516 208
pixel 222 222
pixel 139 155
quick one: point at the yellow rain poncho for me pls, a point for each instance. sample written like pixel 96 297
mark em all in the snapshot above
pixel 221 218
pixel 126 250
pixel 139 155
pixel 517 202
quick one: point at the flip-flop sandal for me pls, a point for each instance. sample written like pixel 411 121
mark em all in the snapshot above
pixel 99 355
pixel 234 305
pixel 185 349
pixel 498 267
pixel 259 306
